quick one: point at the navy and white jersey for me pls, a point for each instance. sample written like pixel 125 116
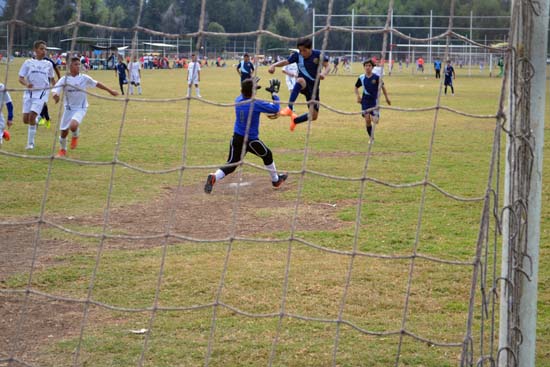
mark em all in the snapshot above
pixel 242 111
pixel 75 96
pixel 246 68
pixel 307 68
pixel 370 86
pixel 449 71
pixel 121 69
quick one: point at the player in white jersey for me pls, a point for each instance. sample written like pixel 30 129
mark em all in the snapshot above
pixel 135 75
pixel 75 101
pixel 36 75
pixel 193 75
pixel 291 72
pixel 5 98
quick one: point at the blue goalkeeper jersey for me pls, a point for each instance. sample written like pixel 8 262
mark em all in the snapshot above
pixel 242 111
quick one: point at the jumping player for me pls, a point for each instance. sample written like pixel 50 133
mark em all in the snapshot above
pixel 135 75
pixel 245 68
pixel 37 76
pixel 449 76
pixel 308 61
pixel 249 140
pixel 369 98
pixel 5 98
pixel 76 102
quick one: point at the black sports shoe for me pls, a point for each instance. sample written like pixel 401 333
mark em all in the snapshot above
pixel 279 182
pixel 210 181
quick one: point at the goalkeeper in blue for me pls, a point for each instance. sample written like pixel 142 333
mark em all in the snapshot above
pixel 370 82
pixel 308 61
pixel 247 137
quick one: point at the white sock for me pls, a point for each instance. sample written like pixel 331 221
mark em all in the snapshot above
pixel 219 174
pixel 76 133
pixel 273 172
pixel 131 89
pixel 197 90
pixel 139 89
pixel 188 91
pixel 31 132
pixel 63 143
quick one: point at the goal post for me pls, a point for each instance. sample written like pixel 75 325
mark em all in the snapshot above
pixel 523 185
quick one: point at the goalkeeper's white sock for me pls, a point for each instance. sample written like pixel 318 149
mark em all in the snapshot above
pixel 131 89
pixel 188 91
pixel 139 89
pixel 198 91
pixel 63 143
pixel 273 172
pixel 219 174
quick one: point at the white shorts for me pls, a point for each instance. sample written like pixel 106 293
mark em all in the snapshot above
pixel 290 83
pixel 69 115
pixel 33 105
pixel 193 81
pixel 135 79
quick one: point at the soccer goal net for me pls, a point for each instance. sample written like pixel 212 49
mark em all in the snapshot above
pixel 414 246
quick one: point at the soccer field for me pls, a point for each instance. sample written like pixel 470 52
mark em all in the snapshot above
pixel 126 214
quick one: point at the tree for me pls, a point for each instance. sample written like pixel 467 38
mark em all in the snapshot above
pixel 216 42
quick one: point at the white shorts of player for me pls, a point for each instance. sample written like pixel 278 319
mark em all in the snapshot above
pixel 193 81
pixel 33 104
pixel 290 82
pixel 134 78
pixel 72 114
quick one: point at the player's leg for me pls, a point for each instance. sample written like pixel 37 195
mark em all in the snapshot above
pixel 64 132
pixel 197 90
pixel 121 84
pixel 36 106
pixel 131 87
pixel 298 87
pixel 308 93
pixel 139 86
pixel 234 156
pixel 189 85
pixel 258 148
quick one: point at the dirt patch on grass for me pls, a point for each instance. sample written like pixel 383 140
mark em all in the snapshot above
pixel 248 207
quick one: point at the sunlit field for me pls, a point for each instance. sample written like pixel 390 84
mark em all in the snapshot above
pixel 139 170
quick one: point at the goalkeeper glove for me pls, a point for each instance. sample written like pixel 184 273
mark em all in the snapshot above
pixel 274 85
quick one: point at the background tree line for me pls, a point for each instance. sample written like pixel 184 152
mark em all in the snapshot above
pixel 284 17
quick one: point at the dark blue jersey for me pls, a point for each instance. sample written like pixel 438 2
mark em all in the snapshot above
pixel 246 68
pixel 243 110
pixel 121 69
pixel 370 86
pixel 307 68
pixel 449 71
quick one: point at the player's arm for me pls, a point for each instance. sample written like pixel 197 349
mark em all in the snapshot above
pixel 386 95
pixel 358 85
pixel 9 107
pixel 278 64
pixel 239 68
pixel 325 69
pixel 56 90
pixel 104 87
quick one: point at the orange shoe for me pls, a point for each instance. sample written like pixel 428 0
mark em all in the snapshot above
pixel 292 123
pixel 61 153
pixel 74 142
pixel 6 135
pixel 286 112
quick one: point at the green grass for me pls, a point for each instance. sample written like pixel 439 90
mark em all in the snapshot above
pixel 153 137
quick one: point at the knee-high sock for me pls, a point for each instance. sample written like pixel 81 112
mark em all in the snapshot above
pixel 273 172
pixel 63 143
pixel 31 133
pixel 294 95
pixel 301 118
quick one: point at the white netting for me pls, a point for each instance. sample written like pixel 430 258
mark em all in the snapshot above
pixel 477 346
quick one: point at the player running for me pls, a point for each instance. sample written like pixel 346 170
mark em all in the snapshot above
pixel 75 100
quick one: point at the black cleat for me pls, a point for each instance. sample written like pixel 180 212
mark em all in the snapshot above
pixel 279 182
pixel 210 181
